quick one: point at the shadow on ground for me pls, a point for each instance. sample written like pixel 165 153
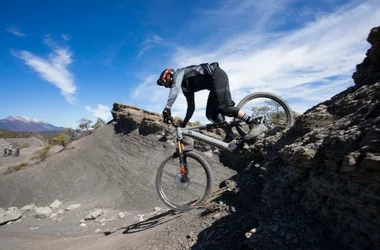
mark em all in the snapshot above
pixel 152 222
pixel 229 232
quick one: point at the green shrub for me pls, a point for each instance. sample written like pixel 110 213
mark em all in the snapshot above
pixel 41 154
pixel 21 145
pixel 61 139
pixel 99 123
pixel 14 134
pixel 16 168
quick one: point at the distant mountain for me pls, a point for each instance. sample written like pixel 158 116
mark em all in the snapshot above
pixel 26 124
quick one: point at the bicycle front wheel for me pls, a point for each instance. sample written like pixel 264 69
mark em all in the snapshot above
pixel 177 193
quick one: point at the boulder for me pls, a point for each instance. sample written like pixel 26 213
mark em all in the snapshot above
pixel 12 214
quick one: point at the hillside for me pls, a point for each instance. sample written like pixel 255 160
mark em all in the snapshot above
pixel 100 167
pixel 4 133
pixel 15 134
pixel 107 169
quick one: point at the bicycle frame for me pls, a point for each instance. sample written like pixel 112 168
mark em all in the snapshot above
pixel 189 131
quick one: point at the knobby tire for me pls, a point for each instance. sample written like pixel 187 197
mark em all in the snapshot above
pixel 207 191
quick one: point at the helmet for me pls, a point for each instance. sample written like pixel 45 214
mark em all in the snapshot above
pixel 163 75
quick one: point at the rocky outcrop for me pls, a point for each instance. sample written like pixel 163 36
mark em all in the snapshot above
pixel 368 71
pixel 132 119
pixel 328 163
pixel 135 118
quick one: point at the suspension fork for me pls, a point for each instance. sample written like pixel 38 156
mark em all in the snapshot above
pixel 182 160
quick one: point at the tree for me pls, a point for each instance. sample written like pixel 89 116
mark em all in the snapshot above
pixel 274 105
pixel 100 122
pixel 276 111
pixel 69 131
pixel 272 110
pixel 61 138
pixel 84 123
pixel 259 111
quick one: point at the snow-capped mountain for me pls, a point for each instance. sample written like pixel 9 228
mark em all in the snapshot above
pixel 26 124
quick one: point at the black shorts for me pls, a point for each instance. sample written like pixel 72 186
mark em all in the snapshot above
pixel 220 95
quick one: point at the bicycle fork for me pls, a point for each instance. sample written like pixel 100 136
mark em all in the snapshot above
pixel 182 161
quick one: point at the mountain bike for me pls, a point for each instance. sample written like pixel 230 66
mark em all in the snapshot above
pixel 189 167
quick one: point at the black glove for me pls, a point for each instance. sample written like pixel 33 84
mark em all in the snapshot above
pixel 182 124
pixel 166 113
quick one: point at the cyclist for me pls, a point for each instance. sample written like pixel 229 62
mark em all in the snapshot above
pixel 17 151
pixel 194 78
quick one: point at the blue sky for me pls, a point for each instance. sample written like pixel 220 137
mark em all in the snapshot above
pixel 62 61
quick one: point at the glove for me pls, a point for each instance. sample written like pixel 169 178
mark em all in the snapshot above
pixel 166 113
pixel 182 124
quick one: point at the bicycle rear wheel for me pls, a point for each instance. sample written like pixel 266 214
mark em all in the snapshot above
pixel 276 110
pixel 192 192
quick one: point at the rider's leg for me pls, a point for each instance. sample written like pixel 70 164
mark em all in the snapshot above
pixel 212 113
pixel 225 104
pixel 210 106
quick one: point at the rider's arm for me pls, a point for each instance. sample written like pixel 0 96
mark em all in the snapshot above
pixel 176 86
pixel 190 106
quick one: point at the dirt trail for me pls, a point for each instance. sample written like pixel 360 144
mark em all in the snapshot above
pixel 25 153
pixel 132 237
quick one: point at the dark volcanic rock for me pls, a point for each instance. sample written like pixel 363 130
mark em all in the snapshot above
pixel 369 70
pixel 329 164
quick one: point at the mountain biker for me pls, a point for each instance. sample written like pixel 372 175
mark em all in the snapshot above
pixel 194 78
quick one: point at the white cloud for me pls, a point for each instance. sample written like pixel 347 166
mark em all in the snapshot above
pixel 233 15
pixel 101 111
pixel 296 64
pixel 54 68
pixel 148 91
pixel 15 31
pixel 66 36
pixel 149 43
